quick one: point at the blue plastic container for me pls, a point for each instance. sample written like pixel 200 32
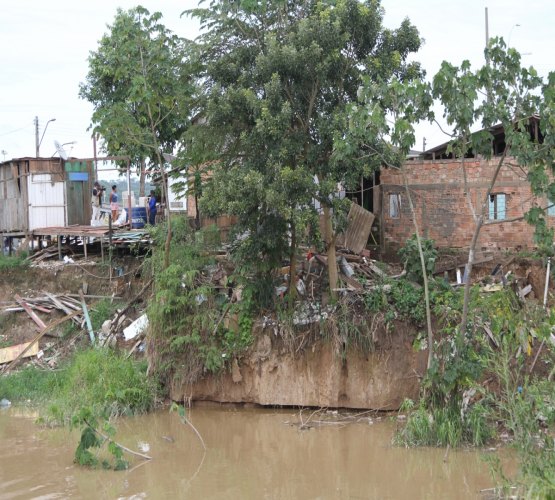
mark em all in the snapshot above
pixel 138 217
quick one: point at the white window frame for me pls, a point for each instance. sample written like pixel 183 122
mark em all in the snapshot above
pixel 394 205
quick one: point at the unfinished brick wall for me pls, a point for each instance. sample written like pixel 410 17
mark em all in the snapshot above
pixel 442 209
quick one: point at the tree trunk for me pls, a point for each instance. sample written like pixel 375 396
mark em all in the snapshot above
pixel 474 242
pixel 142 176
pixel 424 271
pixel 329 239
pixel 197 213
pixel 293 263
pixel 167 245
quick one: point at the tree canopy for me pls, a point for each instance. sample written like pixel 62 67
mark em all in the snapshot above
pixel 277 78
pixel 139 83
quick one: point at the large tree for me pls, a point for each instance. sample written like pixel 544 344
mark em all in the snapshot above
pixel 139 84
pixel 278 77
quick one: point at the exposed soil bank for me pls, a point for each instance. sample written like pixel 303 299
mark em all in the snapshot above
pixel 270 375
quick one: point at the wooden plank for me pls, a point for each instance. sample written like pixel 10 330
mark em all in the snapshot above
pixel 25 350
pixel 375 269
pixel 35 341
pixel 460 262
pixel 358 230
pixel 30 312
pixel 353 283
pixel 524 291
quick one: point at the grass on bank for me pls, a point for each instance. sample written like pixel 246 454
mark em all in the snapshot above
pixel 100 379
pixel 12 261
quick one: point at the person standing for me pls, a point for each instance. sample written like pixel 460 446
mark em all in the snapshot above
pixel 152 209
pixel 96 201
pixel 114 205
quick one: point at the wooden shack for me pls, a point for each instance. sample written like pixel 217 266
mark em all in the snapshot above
pixel 43 192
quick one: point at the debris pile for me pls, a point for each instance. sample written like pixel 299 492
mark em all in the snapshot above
pixel 74 309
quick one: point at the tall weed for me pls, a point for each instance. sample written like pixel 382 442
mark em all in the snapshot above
pixel 104 381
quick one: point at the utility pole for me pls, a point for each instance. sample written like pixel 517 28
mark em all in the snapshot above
pixel 487 29
pixel 37 136
pixel 94 154
pixel 489 98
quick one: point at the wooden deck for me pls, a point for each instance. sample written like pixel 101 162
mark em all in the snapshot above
pixel 118 236
pixel 76 230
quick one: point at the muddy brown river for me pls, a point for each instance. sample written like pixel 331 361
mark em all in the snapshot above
pixel 251 454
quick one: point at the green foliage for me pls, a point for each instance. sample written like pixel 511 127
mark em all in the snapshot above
pixel 187 315
pixel 444 426
pixel 456 409
pixel 83 455
pixel 525 407
pixel 397 299
pixel 277 81
pixel 100 312
pixel 104 381
pixel 139 85
pixel 30 384
pixel 410 257
pixel 12 262
pixel 94 439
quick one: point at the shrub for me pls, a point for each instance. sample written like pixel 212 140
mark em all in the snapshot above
pixel 104 381
pixel 187 327
pixel 410 257
pixel 12 261
pixel 444 426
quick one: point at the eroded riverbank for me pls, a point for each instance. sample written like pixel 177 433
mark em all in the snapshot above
pixel 251 453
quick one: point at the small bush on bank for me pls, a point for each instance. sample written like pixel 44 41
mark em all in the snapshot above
pixel 104 381
pixel 410 257
pixel 100 312
pixel 12 261
pixel 444 426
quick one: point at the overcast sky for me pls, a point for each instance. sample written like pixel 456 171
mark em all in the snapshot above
pixel 44 48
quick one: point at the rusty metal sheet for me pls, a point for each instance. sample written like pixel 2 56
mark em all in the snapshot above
pixel 359 225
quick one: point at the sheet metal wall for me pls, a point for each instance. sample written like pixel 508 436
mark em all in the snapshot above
pixel 46 201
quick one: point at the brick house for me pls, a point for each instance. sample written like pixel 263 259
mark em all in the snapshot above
pixel 441 206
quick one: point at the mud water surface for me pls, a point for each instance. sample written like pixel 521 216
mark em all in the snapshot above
pixel 251 453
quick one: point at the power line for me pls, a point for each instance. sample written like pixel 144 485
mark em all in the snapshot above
pixel 16 130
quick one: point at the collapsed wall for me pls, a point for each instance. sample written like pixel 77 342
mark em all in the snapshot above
pixel 318 376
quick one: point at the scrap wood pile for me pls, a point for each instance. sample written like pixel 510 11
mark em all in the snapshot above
pixel 74 309
pixel 36 308
pixel 48 257
pixel 493 274
pixel 357 273
pixel 46 253
pixel 46 304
